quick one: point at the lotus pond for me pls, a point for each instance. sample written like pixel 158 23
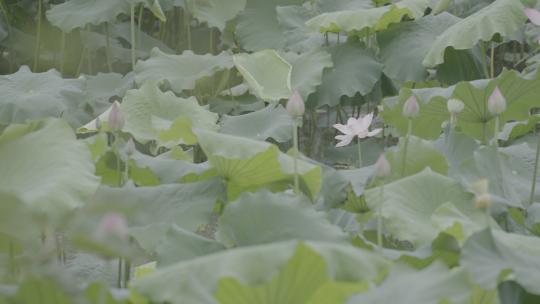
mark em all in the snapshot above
pixel 269 151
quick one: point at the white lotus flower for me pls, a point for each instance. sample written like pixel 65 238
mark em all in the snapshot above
pixel 355 128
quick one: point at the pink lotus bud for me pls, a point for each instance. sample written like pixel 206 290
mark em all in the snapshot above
pixel 116 118
pixel 411 107
pixel 533 15
pixel 130 146
pixel 382 167
pixel 113 225
pixel 496 102
pixel 295 105
pixel 98 123
pixel 455 106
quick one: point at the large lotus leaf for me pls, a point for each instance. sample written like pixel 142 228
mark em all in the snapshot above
pixel 464 8
pixel 46 167
pixel 270 122
pixel 502 17
pixel 144 42
pixel 197 280
pixel 491 256
pixel 298 37
pixel 355 71
pixel 372 19
pixel 78 13
pixel 520 93
pixel 456 147
pixel 269 84
pixel 307 70
pixel 343 5
pixel 178 244
pixel 409 42
pixel 215 12
pixel 180 71
pixel 249 164
pixel 509 177
pixel 265 217
pixel 187 205
pixel 258 27
pixel 410 203
pixel 151 114
pixel 169 170
pixel 434 284
pixel 304 278
pixel 421 154
pixel 27 95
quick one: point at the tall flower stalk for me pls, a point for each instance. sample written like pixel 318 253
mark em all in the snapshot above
pixel 296 109
pixel 382 172
pixel 535 171
pixel 411 109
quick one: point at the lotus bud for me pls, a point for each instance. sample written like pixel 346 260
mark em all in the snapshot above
pixel 116 118
pixel 295 105
pixel 130 146
pixel 98 123
pixel 382 167
pixel 455 106
pixel 483 201
pixel 411 107
pixel 533 15
pixel 496 102
pixel 113 225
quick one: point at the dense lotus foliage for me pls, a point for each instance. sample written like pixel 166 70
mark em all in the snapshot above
pixel 269 151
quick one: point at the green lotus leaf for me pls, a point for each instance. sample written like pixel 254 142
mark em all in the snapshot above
pixel 456 147
pixel 178 244
pixel 247 165
pixel 421 154
pixel 434 284
pixel 198 280
pixel 502 17
pixel 258 27
pixel 270 122
pixel 78 13
pixel 409 42
pixel 303 276
pixel 297 36
pixel 46 167
pixel 509 177
pixel 492 256
pixel 215 12
pixel 28 95
pixel 268 84
pixel 180 71
pixel 370 19
pixel 410 204
pixel 265 217
pixel 520 93
pixel 307 70
pixel 151 114
pixel 355 71
pixel 343 5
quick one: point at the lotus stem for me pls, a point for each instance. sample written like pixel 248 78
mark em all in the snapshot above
pixel 127 270
pixel 62 52
pixel 405 147
pixel 81 61
pixel 211 42
pixel 295 158
pixel 380 219
pixel 187 20
pixel 496 131
pixel 108 47
pixel 483 58
pixel 119 277
pixel 359 153
pixel 38 36
pixel 492 60
pixel 139 23
pixel 12 265
pixel 132 25
pixel 535 171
